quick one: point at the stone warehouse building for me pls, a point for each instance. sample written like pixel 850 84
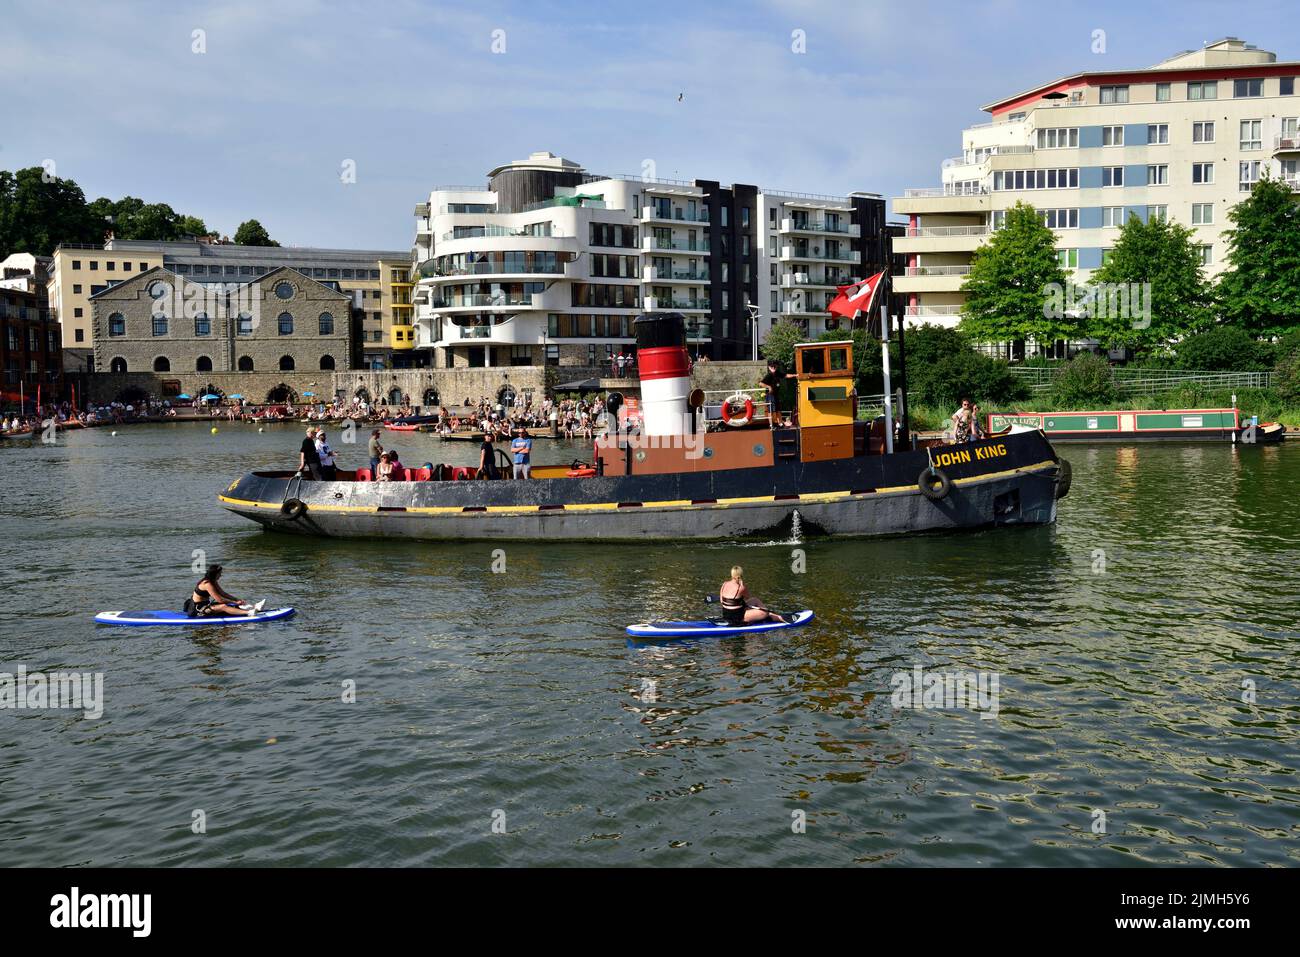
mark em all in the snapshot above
pixel 162 322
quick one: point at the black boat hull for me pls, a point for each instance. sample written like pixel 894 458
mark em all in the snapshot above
pixel 1003 481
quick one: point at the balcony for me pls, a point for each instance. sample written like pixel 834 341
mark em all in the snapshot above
pixel 673 246
pixel 951 189
pixel 803 308
pixel 653 274
pixel 532 230
pixel 941 239
pixel 811 281
pixel 661 215
pixel 932 312
pixel 485 301
pixel 655 304
pixel 1287 143
pixel 430 271
pixel 848 230
pixel 817 254
pixel 1292 182
pixel 931 279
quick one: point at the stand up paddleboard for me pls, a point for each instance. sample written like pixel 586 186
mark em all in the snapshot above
pixel 711 627
pixel 138 619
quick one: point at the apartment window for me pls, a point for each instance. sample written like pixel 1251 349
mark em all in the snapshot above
pixel 76 264
pixel 1242 88
pixel 1158 175
pixel 116 324
pixel 110 266
pixel 1114 94
pixel 1207 255
pixel 202 325
pixel 1015 117
pixel 1112 176
pixel 143 266
pixel 1157 134
pixel 1112 136
pixel 1069 258
pixel 77 312
pixel 160 325
pixel 94 265
pixel 1157 212
pixel 1061 218
pixel 999 219
pixel 1252 134
pixel 76 289
pixel 1059 138
pixel 1249 175
pixel 79 335
pixel 1105 256
pixel 1203 90
pixel 1036 179
pixel 1286 86
pixel 1162 92
pixel 1203 132
pixel 1202 172
pixel 1112 216
pixel 1202 214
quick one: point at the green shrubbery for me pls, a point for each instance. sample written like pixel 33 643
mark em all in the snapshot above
pixel 1224 349
pixel 1085 381
pixel 943 368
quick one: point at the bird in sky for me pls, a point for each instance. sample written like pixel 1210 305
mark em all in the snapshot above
pixel 679 97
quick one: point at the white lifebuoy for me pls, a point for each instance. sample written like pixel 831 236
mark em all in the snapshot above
pixel 738 420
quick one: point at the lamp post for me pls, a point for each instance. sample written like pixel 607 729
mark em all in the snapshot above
pixel 753 318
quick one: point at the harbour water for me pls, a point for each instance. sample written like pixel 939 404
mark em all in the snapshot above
pixel 1145 649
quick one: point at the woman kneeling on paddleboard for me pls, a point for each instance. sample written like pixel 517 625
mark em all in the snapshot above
pixel 209 599
pixel 739 607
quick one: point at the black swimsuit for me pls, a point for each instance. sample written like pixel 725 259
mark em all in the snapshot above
pixel 733 609
pixel 196 609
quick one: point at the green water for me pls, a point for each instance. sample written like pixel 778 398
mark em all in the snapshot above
pixel 1121 638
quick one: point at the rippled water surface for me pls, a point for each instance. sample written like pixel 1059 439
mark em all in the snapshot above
pixel 1126 640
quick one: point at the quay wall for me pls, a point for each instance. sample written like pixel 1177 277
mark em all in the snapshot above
pixel 452 386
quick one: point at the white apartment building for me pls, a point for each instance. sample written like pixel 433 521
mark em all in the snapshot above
pixel 549 264
pixel 1185 139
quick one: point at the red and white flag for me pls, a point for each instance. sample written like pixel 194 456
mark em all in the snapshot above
pixel 857 297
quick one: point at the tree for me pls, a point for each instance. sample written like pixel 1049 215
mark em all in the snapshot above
pixel 1086 380
pixel 1261 290
pixel 37 212
pixel 942 367
pixel 132 218
pixel 779 343
pixel 1010 284
pixel 1164 255
pixel 253 233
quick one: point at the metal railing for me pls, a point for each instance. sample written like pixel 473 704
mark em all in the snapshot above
pixel 713 399
pixel 944 232
pixel 937 271
pixel 489 231
pixel 1153 381
pixel 952 310
pixel 1291 142
pixel 950 190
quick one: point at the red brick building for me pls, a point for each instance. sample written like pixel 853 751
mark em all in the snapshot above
pixel 31 346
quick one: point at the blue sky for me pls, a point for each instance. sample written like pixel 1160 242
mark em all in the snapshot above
pixel 261 124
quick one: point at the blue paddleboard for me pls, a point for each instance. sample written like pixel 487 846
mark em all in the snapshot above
pixel 711 627
pixel 138 619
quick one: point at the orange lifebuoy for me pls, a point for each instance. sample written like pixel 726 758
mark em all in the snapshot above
pixel 737 421
pixel 581 473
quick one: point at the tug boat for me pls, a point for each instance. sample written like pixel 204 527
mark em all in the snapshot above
pixel 671 479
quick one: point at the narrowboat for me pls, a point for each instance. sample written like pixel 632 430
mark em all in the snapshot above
pixel 1151 425
pixel 673 479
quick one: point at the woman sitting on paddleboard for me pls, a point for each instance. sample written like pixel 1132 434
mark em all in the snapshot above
pixel 210 599
pixel 739 607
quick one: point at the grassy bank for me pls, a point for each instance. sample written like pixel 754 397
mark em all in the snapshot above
pixel 1262 402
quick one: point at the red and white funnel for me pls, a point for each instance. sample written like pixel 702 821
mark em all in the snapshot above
pixel 665 368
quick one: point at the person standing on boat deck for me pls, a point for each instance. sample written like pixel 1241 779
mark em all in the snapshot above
pixel 308 457
pixel 326 455
pixel 772 382
pixel 376 450
pixel 208 598
pixel 522 447
pixel 487 466
pixel 962 421
pixel 739 607
pixel 976 430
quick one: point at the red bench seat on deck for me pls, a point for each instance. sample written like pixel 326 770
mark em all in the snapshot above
pixel 363 475
pixel 420 475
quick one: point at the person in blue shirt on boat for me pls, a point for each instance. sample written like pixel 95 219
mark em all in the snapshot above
pixel 522 447
pixel 739 607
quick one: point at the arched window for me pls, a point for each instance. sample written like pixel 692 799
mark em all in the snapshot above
pixel 160 325
pixel 162 364
pixel 117 324
pixel 286 324
pixel 431 397
pixel 117 365
pixel 245 363
pixel 327 362
pixel 286 363
pixel 203 364
pixel 326 324
pixel 202 325
pixel 394 396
